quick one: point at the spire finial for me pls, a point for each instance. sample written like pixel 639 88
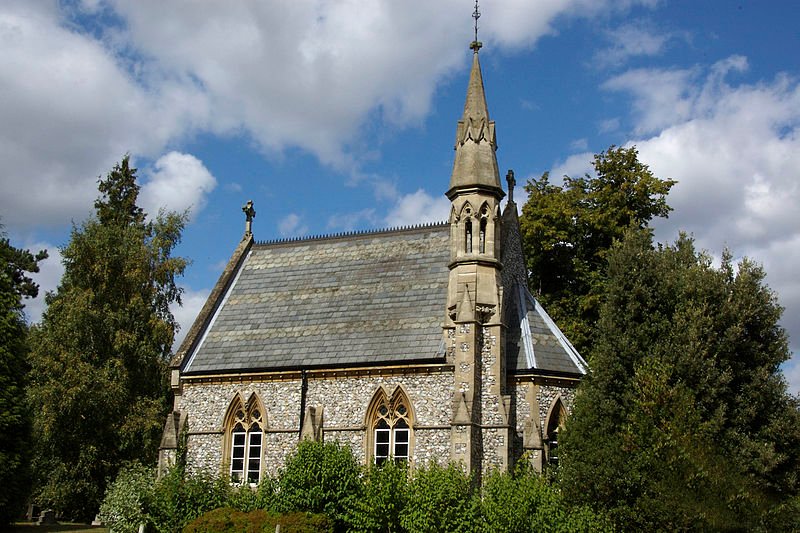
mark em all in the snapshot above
pixel 511 184
pixel 476 44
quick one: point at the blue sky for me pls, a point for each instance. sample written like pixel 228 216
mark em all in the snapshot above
pixel 338 116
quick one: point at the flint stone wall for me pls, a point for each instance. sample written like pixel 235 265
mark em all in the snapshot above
pixel 545 398
pixel 206 404
pixel 345 401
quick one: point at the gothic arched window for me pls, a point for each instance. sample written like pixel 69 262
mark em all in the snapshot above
pixel 244 438
pixel 389 423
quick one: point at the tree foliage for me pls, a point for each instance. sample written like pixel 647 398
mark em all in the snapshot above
pixel 525 501
pixel 441 499
pixel 685 422
pixel 99 355
pixel 15 284
pixel 568 229
pixel 321 479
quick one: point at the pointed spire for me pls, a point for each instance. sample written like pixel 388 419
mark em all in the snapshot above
pixel 475 163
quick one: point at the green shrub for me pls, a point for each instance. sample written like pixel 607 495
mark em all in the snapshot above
pixel 178 499
pixel 525 501
pixel 322 479
pixel 441 500
pixel 229 520
pixel 123 507
pixel 384 499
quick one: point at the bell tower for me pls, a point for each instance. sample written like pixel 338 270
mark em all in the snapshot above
pixel 473 327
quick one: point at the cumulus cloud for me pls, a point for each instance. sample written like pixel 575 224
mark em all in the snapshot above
pixel 631 40
pixel 177 183
pixel 351 221
pixel 574 166
pixel 148 75
pixel 418 208
pixel 185 314
pixel 735 151
pixel 292 226
pixel 49 276
pixel 71 109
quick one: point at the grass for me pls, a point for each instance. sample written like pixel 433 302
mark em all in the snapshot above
pixel 31 527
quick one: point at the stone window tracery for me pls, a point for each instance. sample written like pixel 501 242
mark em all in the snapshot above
pixel 245 423
pixel 390 427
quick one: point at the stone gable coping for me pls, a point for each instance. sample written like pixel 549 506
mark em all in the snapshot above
pixel 212 302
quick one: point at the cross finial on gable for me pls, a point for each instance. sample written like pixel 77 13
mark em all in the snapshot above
pixel 250 214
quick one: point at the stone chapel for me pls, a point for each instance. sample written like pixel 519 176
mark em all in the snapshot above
pixel 412 344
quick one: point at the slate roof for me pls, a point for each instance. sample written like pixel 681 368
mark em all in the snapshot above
pixel 539 343
pixel 373 298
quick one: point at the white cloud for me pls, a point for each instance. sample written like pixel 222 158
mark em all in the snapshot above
pixel 303 74
pixel 579 144
pixel 49 276
pixel 631 40
pixel 791 369
pixel 351 221
pixel 574 166
pixel 608 125
pixel 418 208
pixel 193 301
pixel 71 109
pixel 178 182
pixel 292 226
pixel 735 151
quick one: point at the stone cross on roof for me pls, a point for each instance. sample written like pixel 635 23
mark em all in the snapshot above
pixel 250 214
pixel 511 184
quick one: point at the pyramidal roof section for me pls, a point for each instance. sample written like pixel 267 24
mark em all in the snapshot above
pixel 475 164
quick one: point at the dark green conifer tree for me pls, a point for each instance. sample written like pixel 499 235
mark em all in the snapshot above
pixel 99 389
pixel 685 422
pixel 15 284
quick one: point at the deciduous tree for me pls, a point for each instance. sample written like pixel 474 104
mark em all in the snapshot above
pixel 568 229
